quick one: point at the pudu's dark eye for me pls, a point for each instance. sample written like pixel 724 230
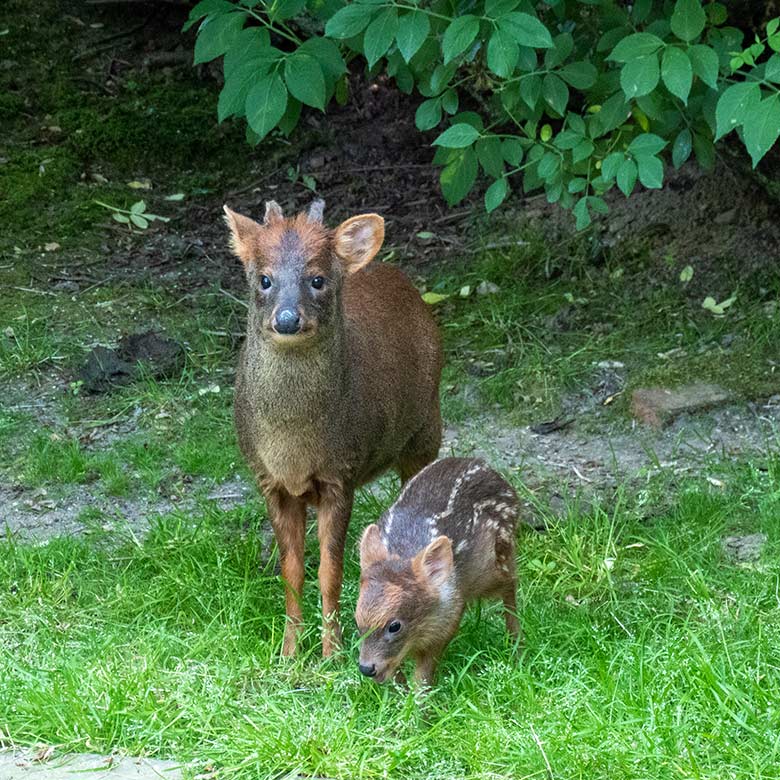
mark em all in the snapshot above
pixel 318 282
pixel 394 627
pixel 265 282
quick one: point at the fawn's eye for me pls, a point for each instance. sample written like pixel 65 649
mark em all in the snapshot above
pixel 265 282
pixel 318 282
pixel 394 627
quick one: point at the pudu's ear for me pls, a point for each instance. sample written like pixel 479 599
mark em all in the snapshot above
pixel 435 562
pixel 243 235
pixel 273 212
pixel 372 549
pixel 359 239
pixel 314 214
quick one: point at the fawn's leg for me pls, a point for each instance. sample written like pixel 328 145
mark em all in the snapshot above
pixel 288 518
pixel 425 668
pixel 332 520
pixel 510 610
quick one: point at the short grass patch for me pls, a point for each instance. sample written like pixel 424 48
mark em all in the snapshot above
pixel 648 654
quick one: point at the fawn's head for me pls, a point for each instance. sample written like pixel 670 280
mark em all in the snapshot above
pixel 400 601
pixel 295 267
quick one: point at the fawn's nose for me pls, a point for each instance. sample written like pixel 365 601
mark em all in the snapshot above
pixel 287 322
pixel 367 670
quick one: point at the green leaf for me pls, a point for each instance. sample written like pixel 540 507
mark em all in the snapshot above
pixel 459 36
pixel 289 120
pixel 280 10
pixel 613 113
pixel 496 194
pixel 433 298
pixel 459 176
pixel 449 101
pixel 555 93
pixel 582 214
pixel 772 70
pixel 640 10
pixel 772 27
pixel 349 21
pixel 139 221
pixel 379 35
pixel 582 150
pixel 704 150
pixel 490 156
pixel 549 165
pixel 138 208
pixel 677 72
pixel 496 8
pixel 626 177
pixel 686 274
pixel 651 172
pixel 634 46
pixel 238 81
pixel 577 185
pixel 716 13
pixel 705 64
pixel 735 106
pixel 612 162
pixel 216 35
pixel 428 114
pixel 640 76
pixel 327 54
pixel 512 149
pixel 121 218
pixel 531 90
pixel 457 136
pixel 763 129
pixel 526 30
pixel 566 139
pixel 646 144
pixel 207 8
pixel 581 75
pixel 304 79
pixel 502 53
pixel 265 104
pixel 413 29
pixel 682 147
pixel 563 45
pixel 688 19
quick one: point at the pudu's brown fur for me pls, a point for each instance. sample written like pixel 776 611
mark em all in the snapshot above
pixel 447 540
pixel 353 394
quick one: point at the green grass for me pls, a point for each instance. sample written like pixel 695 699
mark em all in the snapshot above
pixel 537 340
pixel 647 654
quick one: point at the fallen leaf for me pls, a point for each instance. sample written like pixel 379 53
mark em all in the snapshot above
pixel 52 246
pixel 465 291
pixel 425 235
pixel 175 196
pixel 432 297
pixel 716 482
pixel 140 185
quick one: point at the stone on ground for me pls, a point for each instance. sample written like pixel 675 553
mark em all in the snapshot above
pixel 744 549
pixel 35 765
pixel 657 406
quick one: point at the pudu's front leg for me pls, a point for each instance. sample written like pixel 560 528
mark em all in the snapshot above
pixel 333 515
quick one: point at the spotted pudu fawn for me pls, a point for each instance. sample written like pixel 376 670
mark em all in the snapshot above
pixel 338 381
pixel 447 540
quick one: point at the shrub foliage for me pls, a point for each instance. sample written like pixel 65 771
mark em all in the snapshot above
pixel 573 97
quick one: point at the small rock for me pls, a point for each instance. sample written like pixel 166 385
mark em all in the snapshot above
pixel 657 406
pixel 487 288
pixel 726 217
pixel 744 549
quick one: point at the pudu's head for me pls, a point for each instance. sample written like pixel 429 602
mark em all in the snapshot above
pixel 295 267
pixel 403 604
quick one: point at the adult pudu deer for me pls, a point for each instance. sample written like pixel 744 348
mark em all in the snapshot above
pixel 337 382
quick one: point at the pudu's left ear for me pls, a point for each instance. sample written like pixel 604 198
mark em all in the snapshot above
pixel 372 549
pixel 359 239
pixel 436 562
pixel 243 235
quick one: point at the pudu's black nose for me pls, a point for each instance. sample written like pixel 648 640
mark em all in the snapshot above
pixel 368 671
pixel 287 322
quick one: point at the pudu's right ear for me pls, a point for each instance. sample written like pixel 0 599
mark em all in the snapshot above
pixel 372 549
pixel 358 239
pixel 243 235
pixel 436 561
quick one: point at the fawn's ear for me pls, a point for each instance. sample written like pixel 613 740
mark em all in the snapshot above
pixel 314 214
pixel 435 562
pixel 243 235
pixel 359 239
pixel 273 212
pixel 372 549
